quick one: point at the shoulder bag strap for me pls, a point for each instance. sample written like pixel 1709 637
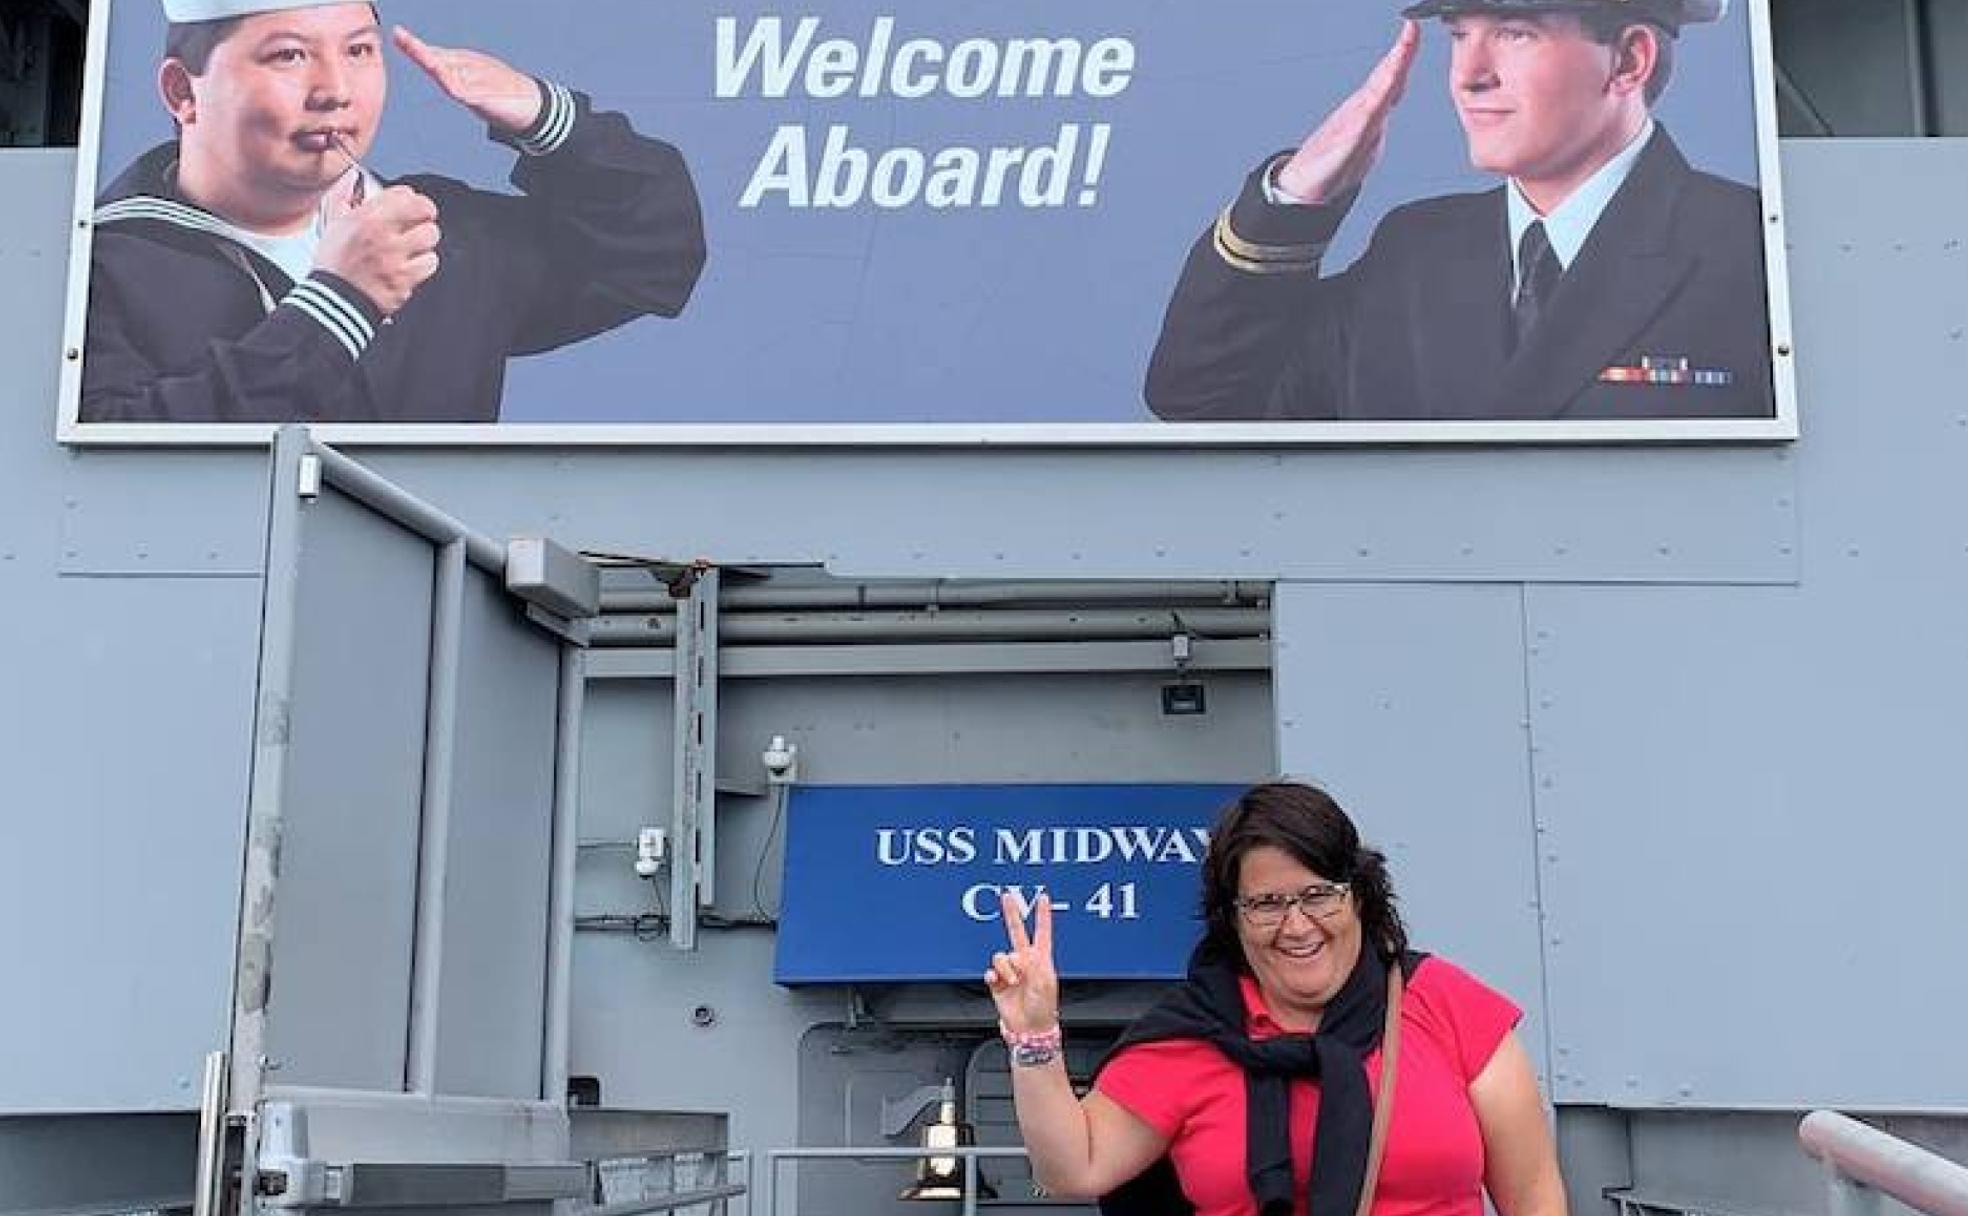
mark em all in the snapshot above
pixel 1390 1051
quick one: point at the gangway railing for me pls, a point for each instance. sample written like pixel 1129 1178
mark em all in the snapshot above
pixel 970 1154
pixel 1864 1165
pixel 732 1179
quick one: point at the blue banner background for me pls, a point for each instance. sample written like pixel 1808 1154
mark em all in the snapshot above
pixel 965 315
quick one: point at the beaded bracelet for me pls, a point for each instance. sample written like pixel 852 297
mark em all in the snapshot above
pixel 1031 1049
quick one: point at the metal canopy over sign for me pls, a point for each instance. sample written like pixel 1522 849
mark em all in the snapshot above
pixel 889 883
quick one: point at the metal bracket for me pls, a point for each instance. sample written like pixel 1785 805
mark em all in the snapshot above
pixel 552 577
pixel 579 634
pixel 209 1196
pixel 308 484
pixel 693 825
pixel 301 1183
pixel 289 1178
pixel 898 1113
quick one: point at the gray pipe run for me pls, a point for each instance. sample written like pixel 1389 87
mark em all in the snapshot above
pixel 1006 625
pixel 939 594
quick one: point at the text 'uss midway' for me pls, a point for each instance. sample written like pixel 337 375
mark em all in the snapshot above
pixel 1040 846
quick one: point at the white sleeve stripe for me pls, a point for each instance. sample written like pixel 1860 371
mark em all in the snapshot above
pixel 557 123
pixel 328 321
pixel 352 318
pixel 341 335
pixel 335 314
pixel 563 120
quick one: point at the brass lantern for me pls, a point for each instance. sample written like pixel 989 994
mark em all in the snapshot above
pixel 943 1177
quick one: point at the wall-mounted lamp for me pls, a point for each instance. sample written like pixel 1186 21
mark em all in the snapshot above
pixel 1183 697
pixel 943 1177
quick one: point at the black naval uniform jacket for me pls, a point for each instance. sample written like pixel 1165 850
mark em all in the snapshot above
pixel 186 325
pixel 1419 327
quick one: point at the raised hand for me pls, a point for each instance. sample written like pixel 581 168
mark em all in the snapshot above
pixel 1336 157
pixel 1022 980
pixel 501 96
pixel 386 246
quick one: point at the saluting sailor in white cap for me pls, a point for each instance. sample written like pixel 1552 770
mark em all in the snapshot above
pixel 261 216
pixel 1603 253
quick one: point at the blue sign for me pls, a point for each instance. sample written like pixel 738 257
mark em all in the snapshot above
pixel 888 883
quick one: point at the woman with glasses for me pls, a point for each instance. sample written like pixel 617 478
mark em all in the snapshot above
pixel 1260 1086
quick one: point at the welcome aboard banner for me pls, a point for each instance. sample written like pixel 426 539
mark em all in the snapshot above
pixel 850 223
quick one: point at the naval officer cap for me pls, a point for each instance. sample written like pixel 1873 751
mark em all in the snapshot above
pixel 1673 14
pixel 181 11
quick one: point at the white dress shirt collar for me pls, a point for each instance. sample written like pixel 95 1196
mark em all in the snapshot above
pixel 1571 221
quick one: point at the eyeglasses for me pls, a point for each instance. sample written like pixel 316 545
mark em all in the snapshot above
pixel 1269 911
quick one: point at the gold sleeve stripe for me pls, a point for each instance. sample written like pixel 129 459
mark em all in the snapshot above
pixel 1262 259
pixel 1228 238
pixel 1250 267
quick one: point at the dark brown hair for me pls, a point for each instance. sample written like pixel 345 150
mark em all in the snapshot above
pixel 1306 823
pixel 192 42
pixel 1607 28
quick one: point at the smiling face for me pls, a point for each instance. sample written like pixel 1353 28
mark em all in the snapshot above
pixel 1301 962
pixel 258 127
pixel 1540 100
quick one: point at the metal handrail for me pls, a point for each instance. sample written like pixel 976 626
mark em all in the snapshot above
pixel 738 1184
pixel 670 1203
pixel 969 1154
pixel 393 502
pixel 1863 1162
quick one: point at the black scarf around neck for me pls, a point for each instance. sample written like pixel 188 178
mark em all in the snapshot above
pixel 1209 1006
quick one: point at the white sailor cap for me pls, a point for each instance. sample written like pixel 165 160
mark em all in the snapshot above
pixel 218 10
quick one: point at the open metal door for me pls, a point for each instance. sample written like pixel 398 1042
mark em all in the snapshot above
pixel 399 1022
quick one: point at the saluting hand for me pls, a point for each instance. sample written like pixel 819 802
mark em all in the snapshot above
pixel 502 96
pixel 386 246
pixel 1336 157
pixel 1022 981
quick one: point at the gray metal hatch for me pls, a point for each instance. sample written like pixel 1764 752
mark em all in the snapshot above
pixel 399 1015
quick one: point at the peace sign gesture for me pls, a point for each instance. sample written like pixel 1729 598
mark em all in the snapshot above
pixel 1022 981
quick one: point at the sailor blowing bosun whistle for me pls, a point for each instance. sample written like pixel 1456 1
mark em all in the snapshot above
pixel 358 188
pixel 256 268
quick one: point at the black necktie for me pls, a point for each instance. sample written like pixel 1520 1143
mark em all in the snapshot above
pixel 1537 277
